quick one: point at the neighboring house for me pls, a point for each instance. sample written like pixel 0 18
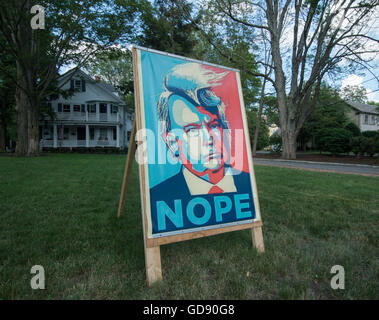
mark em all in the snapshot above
pixel 95 116
pixel 365 116
pixel 273 129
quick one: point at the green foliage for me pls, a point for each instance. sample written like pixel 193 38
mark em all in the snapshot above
pixel 276 142
pixel 368 143
pixel 329 113
pixel 370 134
pixel 270 110
pixel 364 145
pixel 353 128
pixel 163 27
pixel 334 140
pixel 244 60
pixel 354 93
pixel 263 134
pixel 114 67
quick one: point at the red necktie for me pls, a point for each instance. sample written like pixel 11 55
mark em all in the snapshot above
pixel 215 189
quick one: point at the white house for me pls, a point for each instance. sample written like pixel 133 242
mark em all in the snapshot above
pixel 95 116
pixel 365 116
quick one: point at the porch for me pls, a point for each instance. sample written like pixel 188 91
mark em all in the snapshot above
pixel 64 136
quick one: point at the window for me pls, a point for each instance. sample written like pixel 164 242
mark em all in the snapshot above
pixel 76 108
pixel 114 134
pixel 66 108
pixel 103 108
pixel 91 108
pixel 78 85
pixel 114 109
pixel 372 120
pixel 92 133
pixel 59 107
pixel 65 133
pixel 365 119
pixel 128 135
pixel 83 108
pixel 103 134
pixel 60 132
pixel 48 133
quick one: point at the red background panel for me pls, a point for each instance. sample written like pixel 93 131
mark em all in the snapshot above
pixel 228 92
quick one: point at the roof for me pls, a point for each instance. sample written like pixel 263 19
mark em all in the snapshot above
pixel 104 86
pixel 366 108
pixel 107 86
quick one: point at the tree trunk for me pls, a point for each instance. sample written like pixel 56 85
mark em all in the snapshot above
pixel 22 105
pixel 289 145
pixel 27 99
pixel 256 133
pixel 3 123
pixel 27 119
pixel 3 134
pixel 33 132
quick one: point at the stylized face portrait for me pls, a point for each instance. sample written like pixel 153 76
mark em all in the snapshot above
pixel 195 123
pixel 197 134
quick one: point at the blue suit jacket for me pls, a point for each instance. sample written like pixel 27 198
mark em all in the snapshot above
pixel 176 186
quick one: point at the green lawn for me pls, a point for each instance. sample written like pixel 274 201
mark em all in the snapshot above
pixel 59 211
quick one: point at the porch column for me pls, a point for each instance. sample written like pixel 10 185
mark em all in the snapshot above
pixel 87 135
pixel 98 111
pixel 118 136
pixel 55 136
pixel 108 112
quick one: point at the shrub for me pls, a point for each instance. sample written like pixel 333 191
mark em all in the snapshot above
pixel 357 145
pixel 276 142
pixel 334 140
pixel 361 145
pixel 371 134
pixel 353 128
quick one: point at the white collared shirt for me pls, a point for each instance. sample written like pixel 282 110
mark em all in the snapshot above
pixel 199 186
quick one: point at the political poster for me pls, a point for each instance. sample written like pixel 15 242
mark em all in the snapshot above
pixel 196 170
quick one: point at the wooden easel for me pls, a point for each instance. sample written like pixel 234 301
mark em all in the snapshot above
pixel 152 250
pixel 128 167
pixel 152 246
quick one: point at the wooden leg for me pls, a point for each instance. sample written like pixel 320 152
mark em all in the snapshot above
pixel 153 265
pixel 257 236
pixel 128 166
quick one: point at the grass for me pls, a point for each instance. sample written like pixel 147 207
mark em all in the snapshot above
pixel 59 211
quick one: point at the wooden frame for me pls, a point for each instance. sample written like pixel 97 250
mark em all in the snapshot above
pixel 152 245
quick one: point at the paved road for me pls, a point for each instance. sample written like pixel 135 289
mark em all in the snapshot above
pixel 320 166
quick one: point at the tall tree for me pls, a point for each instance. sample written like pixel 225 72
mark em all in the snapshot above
pixel 354 93
pixel 72 32
pixel 308 39
pixel 114 67
pixel 7 99
pixel 329 112
pixel 162 26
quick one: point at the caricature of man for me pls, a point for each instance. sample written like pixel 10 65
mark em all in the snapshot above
pixel 192 125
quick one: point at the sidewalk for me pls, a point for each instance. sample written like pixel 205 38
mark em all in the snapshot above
pixel 317 157
pixel 360 169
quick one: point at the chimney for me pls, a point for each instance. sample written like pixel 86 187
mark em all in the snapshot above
pixel 97 78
